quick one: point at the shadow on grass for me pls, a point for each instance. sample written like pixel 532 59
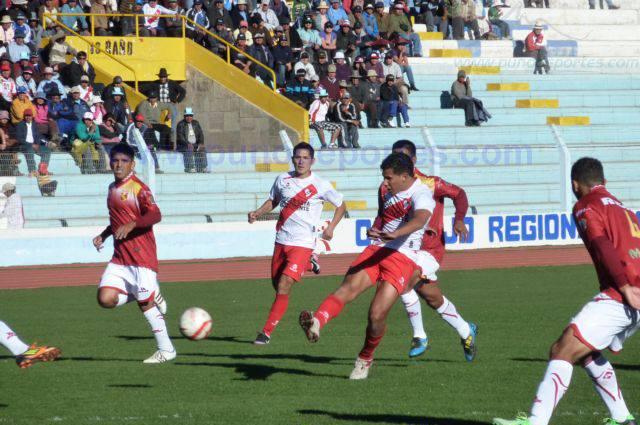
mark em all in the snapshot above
pixel 258 372
pixel 390 418
pixel 136 386
pixel 211 338
pixel 2 406
pixel 85 359
pixel 633 367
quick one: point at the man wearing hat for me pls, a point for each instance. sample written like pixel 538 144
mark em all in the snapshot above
pixel 261 52
pixel 268 16
pixel 20 104
pixel 371 98
pixel 173 24
pixel 71 75
pixel 59 50
pixel 399 23
pixel 50 83
pixel 152 110
pixel 462 98
pixel 283 58
pixel 299 89
pixel 337 15
pixel 31 142
pixel 26 80
pixel 374 64
pixel 318 120
pixel 7 87
pixel 217 11
pixel 346 41
pixel 370 23
pixel 382 19
pixel 321 66
pixel 536 47
pixel 6 30
pixel 116 105
pixel 13 210
pixel 239 12
pixel 21 24
pixel 116 82
pixel 191 144
pixel 389 66
pixel 309 36
pixel 304 63
pixel 86 148
pixel 357 92
pixel 18 47
pixel 331 84
pixel 198 15
pixel 349 118
pixel 169 93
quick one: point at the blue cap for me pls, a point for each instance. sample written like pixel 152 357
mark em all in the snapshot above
pixel 41 95
pixel 188 111
pixel 19 34
pixel 140 2
pixel 22 90
pixel 24 55
pixel 324 93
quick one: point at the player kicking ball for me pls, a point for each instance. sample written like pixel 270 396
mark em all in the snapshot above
pixel 425 284
pixel 25 355
pixel 131 274
pixel 389 261
pixel 300 195
pixel 611 234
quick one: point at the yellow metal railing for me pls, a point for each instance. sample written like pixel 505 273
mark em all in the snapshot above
pixel 93 45
pixel 184 21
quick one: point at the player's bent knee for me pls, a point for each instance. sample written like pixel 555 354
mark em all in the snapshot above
pixel 107 299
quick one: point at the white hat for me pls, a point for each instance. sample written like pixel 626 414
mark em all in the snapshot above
pixel 117 91
pixel 75 89
pixel 87 116
pixel 96 99
pixel 8 187
pixel 538 25
pixel 339 55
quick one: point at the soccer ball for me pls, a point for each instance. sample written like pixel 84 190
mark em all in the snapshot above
pixel 195 324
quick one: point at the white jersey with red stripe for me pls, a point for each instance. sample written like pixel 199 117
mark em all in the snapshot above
pixel 399 209
pixel 301 202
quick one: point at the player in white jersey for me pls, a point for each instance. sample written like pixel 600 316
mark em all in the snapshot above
pixel 301 195
pixel 389 261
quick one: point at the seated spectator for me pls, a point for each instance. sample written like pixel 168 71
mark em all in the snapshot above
pixel 337 15
pixel 357 91
pixel 49 8
pixel 382 19
pixel 217 11
pixel 261 52
pixel 191 144
pixel 304 63
pixel 58 49
pixel 70 113
pixel 109 133
pixel 331 84
pixel 76 21
pixel 536 47
pixel 239 14
pixel 391 67
pixel 359 67
pixel 6 30
pixel 283 58
pixel 318 120
pixel 26 80
pixel 371 98
pixel 30 142
pixel 173 25
pixel 45 124
pixel 256 25
pixel 268 16
pixel 391 103
pixel 152 22
pixel 8 147
pixel 97 109
pixel 281 9
pixel 221 31
pixel 146 134
pixel 244 30
pixel 100 23
pixel 356 16
pixel 72 74
pixel 495 13
pixel 321 66
pixel 321 18
pixel 329 39
pixel 37 66
pixel 292 35
pixel 370 23
pixel 309 36
pixel 86 148
pixel 170 93
pixel 152 110
pixel 375 65
pixel 346 42
pixel 118 107
pixel 401 57
pixel 8 89
pixel 348 117
pixel 299 90
pixel 86 90
pixel 240 59
pixel 108 90
pixel 19 105
pixel 400 26
pixel 462 98
pixel 22 63
pixel 343 70
pixel 18 46
pixel 51 84
pixel 21 25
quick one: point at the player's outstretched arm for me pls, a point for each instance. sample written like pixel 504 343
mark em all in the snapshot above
pixel 268 206
pixel 98 241
pixel 337 216
pixel 418 221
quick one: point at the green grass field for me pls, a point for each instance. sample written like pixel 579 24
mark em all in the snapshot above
pixel 227 380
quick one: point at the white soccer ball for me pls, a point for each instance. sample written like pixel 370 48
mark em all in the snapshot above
pixel 195 324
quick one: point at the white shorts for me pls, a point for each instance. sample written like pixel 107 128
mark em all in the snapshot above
pixel 428 264
pixel 137 281
pixel 605 323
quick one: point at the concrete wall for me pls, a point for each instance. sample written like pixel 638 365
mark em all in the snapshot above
pixel 229 122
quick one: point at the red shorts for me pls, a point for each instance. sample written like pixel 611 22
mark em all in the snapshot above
pixel 384 264
pixel 291 261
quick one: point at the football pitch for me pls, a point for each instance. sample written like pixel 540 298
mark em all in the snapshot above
pixel 100 378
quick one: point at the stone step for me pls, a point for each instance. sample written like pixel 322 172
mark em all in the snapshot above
pixel 568 121
pixel 450 53
pixel 537 103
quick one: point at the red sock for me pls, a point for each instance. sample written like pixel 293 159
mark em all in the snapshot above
pixel 278 309
pixel 330 308
pixel 370 344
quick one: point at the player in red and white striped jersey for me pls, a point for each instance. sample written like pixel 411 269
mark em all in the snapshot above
pixel 301 195
pixel 389 262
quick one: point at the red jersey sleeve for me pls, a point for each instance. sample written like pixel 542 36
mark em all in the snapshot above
pixel 444 189
pixel 149 211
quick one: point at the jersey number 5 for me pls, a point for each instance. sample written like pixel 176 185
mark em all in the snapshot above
pixel 635 230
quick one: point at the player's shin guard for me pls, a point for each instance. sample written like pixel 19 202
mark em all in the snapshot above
pixel 606 385
pixel 450 315
pixel 11 341
pixel 411 303
pixel 329 309
pixel 371 342
pixel 278 309
pixel 553 386
pixel 159 329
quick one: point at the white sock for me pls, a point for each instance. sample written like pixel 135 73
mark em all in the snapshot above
pixel 159 328
pixel 553 386
pixel 450 315
pixel 11 341
pixel 414 312
pixel 606 385
pixel 124 299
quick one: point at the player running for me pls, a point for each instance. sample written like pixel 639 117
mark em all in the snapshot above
pixel 429 260
pixel 389 261
pixel 301 195
pixel 611 234
pixel 25 355
pixel 131 274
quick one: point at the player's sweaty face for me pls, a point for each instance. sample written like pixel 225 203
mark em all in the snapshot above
pixel 302 161
pixel 394 183
pixel 121 165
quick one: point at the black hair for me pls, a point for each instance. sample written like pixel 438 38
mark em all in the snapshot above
pixel 405 144
pixel 304 145
pixel 399 162
pixel 124 149
pixel 588 171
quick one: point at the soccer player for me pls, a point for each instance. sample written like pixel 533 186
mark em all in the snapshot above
pixel 131 274
pixel 301 195
pixel 25 355
pixel 611 234
pixel 430 257
pixel 389 261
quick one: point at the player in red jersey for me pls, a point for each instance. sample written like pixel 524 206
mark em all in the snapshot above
pixel 25 355
pixel 611 234
pixel 430 258
pixel 389 262
pixel 131 274
pixel 301 195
